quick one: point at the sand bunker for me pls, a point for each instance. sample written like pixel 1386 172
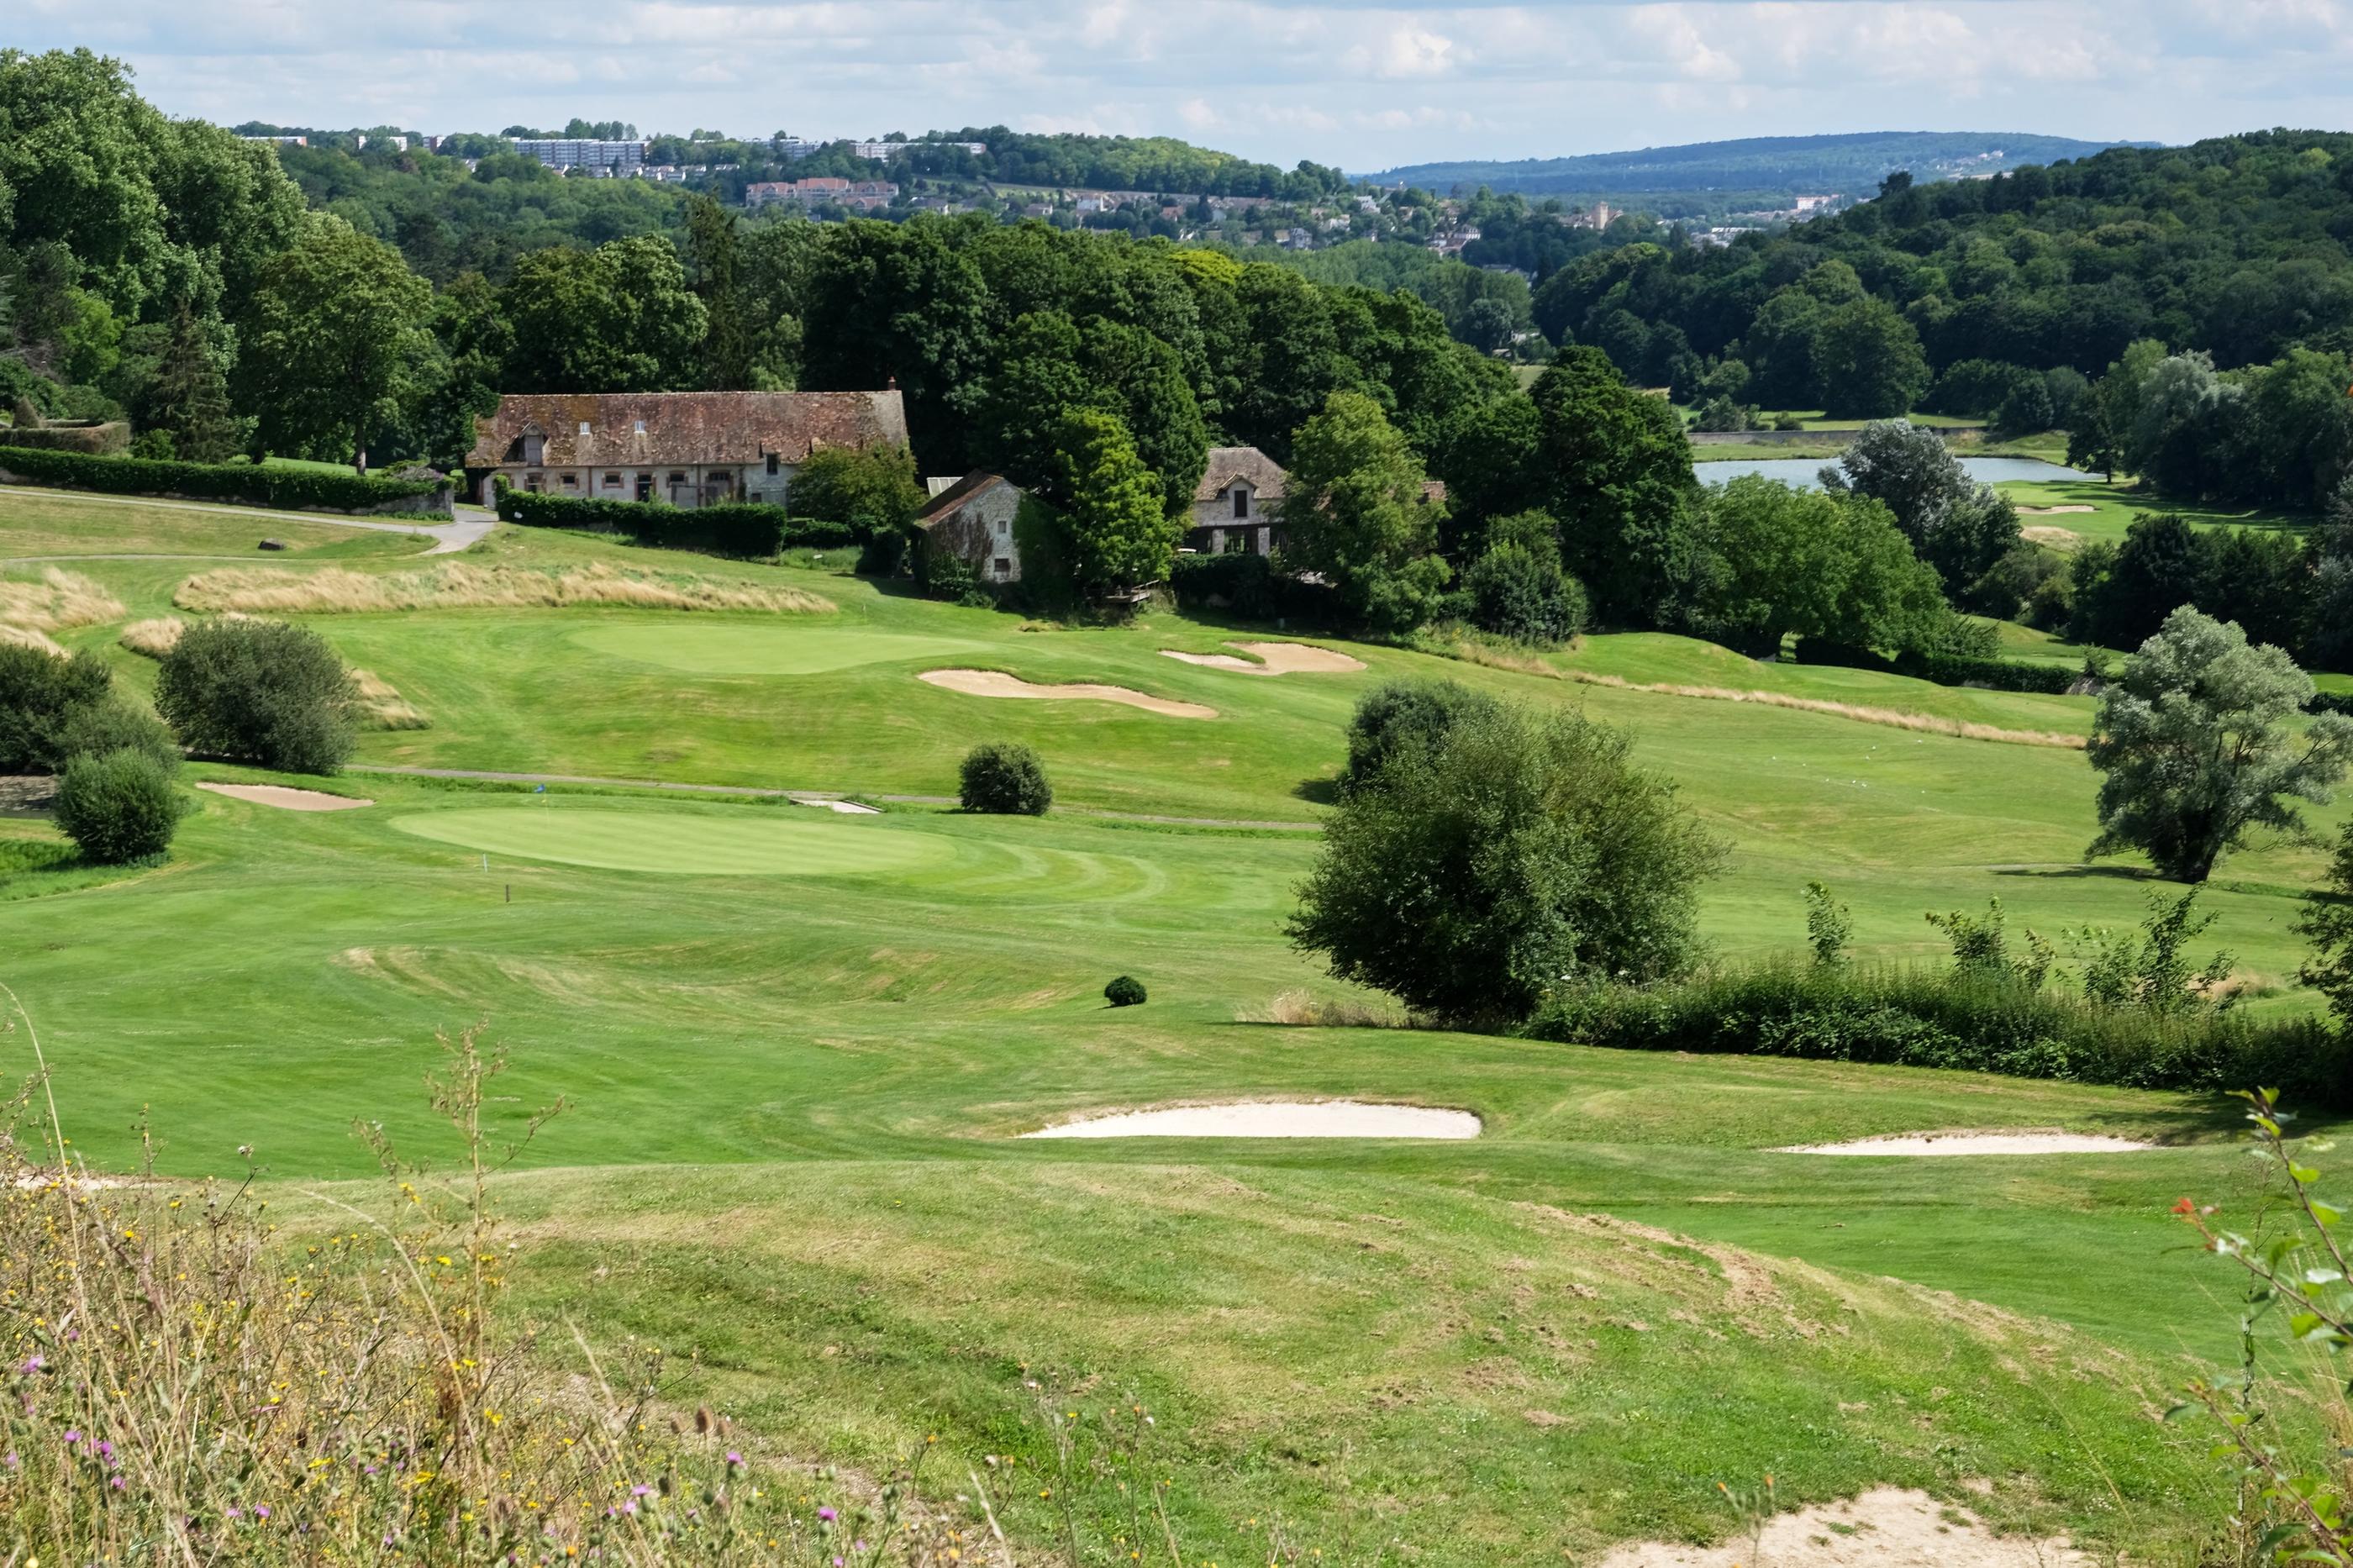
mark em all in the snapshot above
pixel 2052 511
pixel 2031 1140
pixel 1274 1119
pixel 1274 659
pixel 1887 1527
pixel 997 683
pixel 288 799
pixel 2045 534
pixel 843 807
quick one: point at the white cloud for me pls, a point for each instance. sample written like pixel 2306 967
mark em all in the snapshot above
pixel 1362 83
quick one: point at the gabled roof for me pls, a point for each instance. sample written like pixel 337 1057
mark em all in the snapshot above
pixel 1228 464
pixel 685 426
pixel 952 500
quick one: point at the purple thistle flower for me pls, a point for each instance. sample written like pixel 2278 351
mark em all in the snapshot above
pixel 105 1449
pixel 33 1364
pixel 73 1438
pixel 115 1481
pixel 261 1511
pixel 733 1458
pixel 630 1505
pixel 827 1515
pixel 641 1491
pixel 234 1511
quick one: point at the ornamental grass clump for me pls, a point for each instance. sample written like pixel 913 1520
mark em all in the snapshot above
pixel 194 1377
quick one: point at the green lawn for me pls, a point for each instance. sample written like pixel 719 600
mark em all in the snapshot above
pixel 2113 506
pixel 799 1048
pixel 51 523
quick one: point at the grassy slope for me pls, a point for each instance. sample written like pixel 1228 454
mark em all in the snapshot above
pixel 805 1080
pixel 38 524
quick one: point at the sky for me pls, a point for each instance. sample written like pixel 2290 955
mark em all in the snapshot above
pixel 1364 87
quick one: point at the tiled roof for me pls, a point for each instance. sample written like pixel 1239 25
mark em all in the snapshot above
pixel 685 426
pixel 1228 464
pixel 953 498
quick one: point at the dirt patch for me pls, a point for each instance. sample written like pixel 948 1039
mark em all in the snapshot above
pixel 2053 510
pixel 2023 1141
pixel 1274 1119
pixel 287 799
pixel 2046 533
pixel 997 683
pixel 1887 1527
pixel 1274 659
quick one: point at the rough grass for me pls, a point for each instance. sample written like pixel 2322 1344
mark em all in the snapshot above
pixel 383 706
pixel 1923 723
pixel 340 590
pixel 28 637
pixel 59 601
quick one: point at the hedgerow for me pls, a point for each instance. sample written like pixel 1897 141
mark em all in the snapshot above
pixel 1916 1017
pixel 246 484
pixel 739 529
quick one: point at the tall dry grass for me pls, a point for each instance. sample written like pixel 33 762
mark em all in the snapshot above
pixel 27 637
pixel 382 706
pixel 60 600
pixel 457 585
pixel 1895 718
pixel 187 1383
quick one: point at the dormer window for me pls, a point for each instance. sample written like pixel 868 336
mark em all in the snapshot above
pixel 772 465
pixel 1241 501
pixel 641 428
pixel 535 449
pixel 584 427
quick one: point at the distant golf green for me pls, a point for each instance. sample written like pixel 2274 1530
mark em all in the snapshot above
pixel 684 843
pixel 766 649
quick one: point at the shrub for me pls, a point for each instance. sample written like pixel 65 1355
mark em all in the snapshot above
pixel 1124 991
pixel 117 806
pixel 39 695
pixel 248 484
pixel 1513 593
pixel 863 491
pixel 1956 1019
pixel 261 691
pixel 1007 780
pixel 113 725
pixel 1400 714
pixel 1470 877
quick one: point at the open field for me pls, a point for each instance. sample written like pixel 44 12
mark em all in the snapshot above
pixel 35 524
pixel 2113 506
pixel 800 1048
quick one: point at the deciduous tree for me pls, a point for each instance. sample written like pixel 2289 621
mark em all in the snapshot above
pixel 330 341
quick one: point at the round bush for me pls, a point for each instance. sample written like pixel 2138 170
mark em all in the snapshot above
pixel 118 808
pixel 258 691
pixel 1516 594
pixel 1126 991
pixel 1007 780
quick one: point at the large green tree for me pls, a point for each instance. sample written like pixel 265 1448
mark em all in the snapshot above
pixel 1867 362
pixel 1815 564
pixel 619 317
pixel 1353 511
pixel 1116 534
pixel 330 343
pixel 1956 524
pixel 2196 747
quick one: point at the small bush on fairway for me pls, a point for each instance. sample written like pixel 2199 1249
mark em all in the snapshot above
pixel 54 710
pixel 258 691
pixel 1523 850
pixel 1007 780
pixel 1124 991
pixel 118 808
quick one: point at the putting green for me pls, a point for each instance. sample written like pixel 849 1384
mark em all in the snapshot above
pixel 767 650
pixel 684 843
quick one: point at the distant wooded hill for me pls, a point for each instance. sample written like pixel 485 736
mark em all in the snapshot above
pixel 1714 176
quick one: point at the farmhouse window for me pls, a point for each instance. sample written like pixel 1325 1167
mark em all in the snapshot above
pixel 1003 567
pixel 772 465
pixel 1241 501
pixel 678 479
pixel 572 481
pixel 612 481
pixel 534 448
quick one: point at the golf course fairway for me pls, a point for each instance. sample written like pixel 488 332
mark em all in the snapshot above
pixel 739 649
pixel 682 843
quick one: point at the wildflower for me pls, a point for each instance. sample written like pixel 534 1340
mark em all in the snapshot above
pixel 261 1511
pixel 641 1491
pixel 2186 1205
pixel 733 1458
pixel 105 1450
pixel 115 1481
pixel 35 1362
pixel 73 1438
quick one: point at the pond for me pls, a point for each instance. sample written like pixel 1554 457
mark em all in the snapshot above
pixel 1802 471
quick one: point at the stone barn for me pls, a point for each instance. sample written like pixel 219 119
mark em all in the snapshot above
pixel 972 519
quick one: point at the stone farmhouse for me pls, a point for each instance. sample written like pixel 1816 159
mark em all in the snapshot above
pixel 972 519
pixel 1230 505
pixel 688 449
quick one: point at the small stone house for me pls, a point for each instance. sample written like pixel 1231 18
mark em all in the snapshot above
pixel 972 519
pixel 688 449
pixel 1233 505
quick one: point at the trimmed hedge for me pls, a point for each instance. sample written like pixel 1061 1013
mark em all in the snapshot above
pixel 1946 669
pixel 742 530
pixel 97 440
pixel 1928 1018
pixel 246 484
pixel 1251 588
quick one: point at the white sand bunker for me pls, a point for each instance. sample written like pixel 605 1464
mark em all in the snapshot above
pixel 1887 1527
pixel 842 808
pixel 1274 1119
pixel 1274 659
pixel 2027 1141
pixel 288 799
pixel 997 683
pixel 2052 510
